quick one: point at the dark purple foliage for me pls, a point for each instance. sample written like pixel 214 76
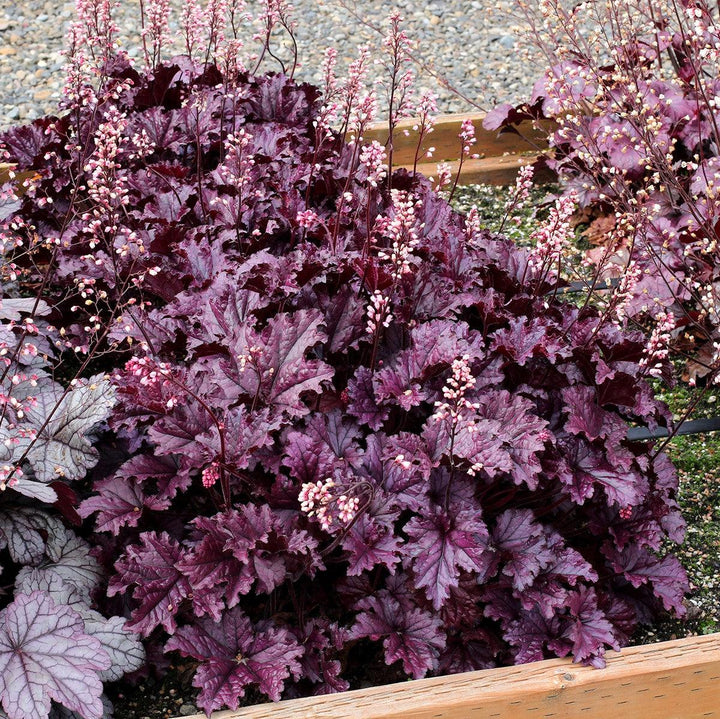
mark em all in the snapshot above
pixel 237 654
pixel 519 525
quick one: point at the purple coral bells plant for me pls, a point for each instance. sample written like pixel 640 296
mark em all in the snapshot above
pixel 634 90
pixel 351 428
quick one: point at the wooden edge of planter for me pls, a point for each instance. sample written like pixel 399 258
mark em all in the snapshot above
pixel 501 154
pixel 486 171
pixel 8 174
pixel 669 680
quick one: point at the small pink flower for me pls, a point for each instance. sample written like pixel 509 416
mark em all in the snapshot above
pixel 210 475
pixel 467 135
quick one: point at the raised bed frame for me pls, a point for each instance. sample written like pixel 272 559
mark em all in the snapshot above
pixel 500 155
pixel 670 680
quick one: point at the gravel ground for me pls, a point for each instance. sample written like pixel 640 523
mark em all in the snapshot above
pixel 469 43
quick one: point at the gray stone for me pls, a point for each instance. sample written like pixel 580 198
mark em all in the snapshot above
pixel 468 42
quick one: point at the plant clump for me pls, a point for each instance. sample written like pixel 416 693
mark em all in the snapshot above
pixel 350 426
pixel 634 90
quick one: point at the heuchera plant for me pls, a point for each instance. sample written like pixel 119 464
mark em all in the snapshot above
pixel 352 428
pixel 634 90
pixel 53 644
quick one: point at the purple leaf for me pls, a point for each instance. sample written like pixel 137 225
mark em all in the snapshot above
pixel 370 543
pixel 412 636
pixel 363 404
pixel 523 549
pixel 120 503
pixel 476 441
pixel 219 565
pixel 589 630
pixel 497 117
pixel 532 633
pixel 235 654
pixel 405 469
pixel 441 545
pixel 623 485
pixel 165 471
pixel 586 417
pixel 159 586
pixel 319 640
pixel 245 434
pixel 45 655
pixel 666 576
pixel 434 345
pixel 280 374
pixel 523 433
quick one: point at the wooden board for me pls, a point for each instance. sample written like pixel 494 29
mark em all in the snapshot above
pixel 500 154
pixel 487 171
pixel 669 680
pixel 19 178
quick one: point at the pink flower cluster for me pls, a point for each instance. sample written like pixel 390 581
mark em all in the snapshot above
pixel 378 312
pixel 9 476
pixel 194 24
pixel 658 345
pixel 78 90
pixel 236 167
pixel 354 94
pixel 156 28
pixel 96 25
pixel 398 49
pixel 467 136
pixel 328 114
pixel 374 157
pixel 317 500
pixel 523 185
pixel 444 175
pixel 154 377
pixel 402 230
pixel 210 475
pixel 625 290
pixel 426 110
pixel 553 238
pixel 104 186
pixel 460 382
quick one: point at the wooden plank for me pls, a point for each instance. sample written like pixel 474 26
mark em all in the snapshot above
pixel 445 140
pixel 669 680
pixel 19 178
pixel 487 171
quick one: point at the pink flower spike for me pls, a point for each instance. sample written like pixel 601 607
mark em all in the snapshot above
pixel 210 475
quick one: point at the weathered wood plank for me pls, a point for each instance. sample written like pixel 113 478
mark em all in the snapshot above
pixel 668 680
pixel 486 171
pixel 446 142
pixel 7 173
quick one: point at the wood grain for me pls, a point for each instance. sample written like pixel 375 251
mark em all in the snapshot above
pixel 7 173
pixel 668 680
pixel 526 144
pixel 487 171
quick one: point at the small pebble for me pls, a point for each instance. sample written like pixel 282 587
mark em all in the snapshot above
pixel 471 44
